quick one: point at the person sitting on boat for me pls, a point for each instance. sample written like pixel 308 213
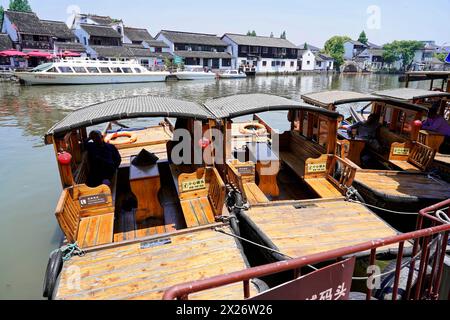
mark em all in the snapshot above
pixel 104 160
pixel 437 123
pixel 367 131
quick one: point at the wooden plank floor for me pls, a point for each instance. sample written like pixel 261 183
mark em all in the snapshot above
pixel 130 272
pixel 321 227
pixel 404 184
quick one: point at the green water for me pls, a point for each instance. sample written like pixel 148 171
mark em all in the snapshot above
pixel 29 183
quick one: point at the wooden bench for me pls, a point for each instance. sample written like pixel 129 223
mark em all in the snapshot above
pixel 304 157
pixel 86 215
pixel 202 196
pixel 433 140
pixel 417 158
pixel 241 175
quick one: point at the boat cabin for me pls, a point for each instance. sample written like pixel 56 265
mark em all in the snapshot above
pixel 426 99
pixel 396 146
pixel 293 183
pixel 152 224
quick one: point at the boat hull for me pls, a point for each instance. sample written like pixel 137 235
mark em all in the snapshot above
pixel 34 78
pixel 194 76
pixel 225 76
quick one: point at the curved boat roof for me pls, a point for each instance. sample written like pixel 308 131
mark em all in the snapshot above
pixel 247 104
pixel 334 98
pixel 409 94
pixel 129 108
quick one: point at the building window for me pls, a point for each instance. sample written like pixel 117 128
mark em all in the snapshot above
pixel 319 64
pixel 308 62
pixel 283 50
pixel 292 64
pixel 264 63
pixel 274 63
pixel 265 50
pixel 283 64
pixel 158 49
pixel 226 62
pixel 244 49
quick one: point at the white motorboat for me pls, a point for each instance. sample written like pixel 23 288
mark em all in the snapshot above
pixel 85 71
pixel 232 74
pixel 194 73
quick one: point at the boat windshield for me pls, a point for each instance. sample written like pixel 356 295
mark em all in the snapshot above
pixel 42 67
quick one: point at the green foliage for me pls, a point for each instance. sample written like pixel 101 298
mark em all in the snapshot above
pixel 251 33
pixel 334 47
pixel 403 51
pixel 363 37
pixel 283 35
pixel 20 5
pixel 2 13
pixel 305 47
pixel 441 56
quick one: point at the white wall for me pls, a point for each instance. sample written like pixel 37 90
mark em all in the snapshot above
pixel 171 45
pixel 308 56
pixel 348 50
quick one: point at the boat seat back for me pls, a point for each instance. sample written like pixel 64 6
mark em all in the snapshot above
pixel 202 196
pixel 79 204
pixel 421 156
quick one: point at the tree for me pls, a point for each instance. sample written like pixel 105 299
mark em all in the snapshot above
pixel 19 5
pixel 334 47
pixel 2 13
pixel 363 37
pixel 403 51
pixel 441 56
pixel 283 35
pixel 251 33
pixel 305 47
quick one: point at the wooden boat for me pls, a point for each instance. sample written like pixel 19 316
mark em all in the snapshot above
pixel 398 179
pixel 434 140
pixel 154 226
pixel 298 207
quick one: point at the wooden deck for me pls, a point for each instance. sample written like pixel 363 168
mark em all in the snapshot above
pixel 410 185
pixel 319 226
pixel 135 273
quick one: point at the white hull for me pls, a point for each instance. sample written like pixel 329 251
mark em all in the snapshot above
pixel 186 75
pixel 36 78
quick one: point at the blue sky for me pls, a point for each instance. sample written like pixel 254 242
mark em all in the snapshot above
pixel 304 21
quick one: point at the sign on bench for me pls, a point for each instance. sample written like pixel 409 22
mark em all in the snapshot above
pixel 193 185
pixel 317 167
pixel 93 200
pixel 399 151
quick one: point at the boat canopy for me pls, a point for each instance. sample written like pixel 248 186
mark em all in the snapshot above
pixel 129 108
pixel 247 104
pixel 408 94
pixel 334 98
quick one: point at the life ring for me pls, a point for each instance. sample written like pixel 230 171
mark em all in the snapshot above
pixel 111 138
pixel 54 267
pixel 252 128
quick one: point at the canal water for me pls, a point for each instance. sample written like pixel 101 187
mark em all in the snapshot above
pixel 29 183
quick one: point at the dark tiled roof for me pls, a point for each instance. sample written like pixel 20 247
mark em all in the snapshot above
pixel 203 54
pixel 324 57
pixel 70 46
pixel 129 108
pixel 105 20
pixel 357 43
pixel 373 45
pixel 58 29
pixel 193 38
pixel 244 40
pixel 138 51
pixel 27 23
pixel 309 46
pixel 100 31
pixel 136 34
pixel 157 44
pixel 5 42
pixel 112 51
pixel 245 104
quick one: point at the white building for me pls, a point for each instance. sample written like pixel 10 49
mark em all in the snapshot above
pixel 353 48
pixel 324 62
pixel 306 60
pixel 262 54
pixel 197 49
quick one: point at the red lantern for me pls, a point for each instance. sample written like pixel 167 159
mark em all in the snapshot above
pixel 64 158
pixel 204 143
pixel 417 124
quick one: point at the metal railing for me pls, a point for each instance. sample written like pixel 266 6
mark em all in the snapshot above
pixel 428 252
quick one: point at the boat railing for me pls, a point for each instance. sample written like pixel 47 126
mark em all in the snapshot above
pixel 425 266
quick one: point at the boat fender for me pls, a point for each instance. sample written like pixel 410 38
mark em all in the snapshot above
pixel 111 138
pixel 252 128
pixel 54 268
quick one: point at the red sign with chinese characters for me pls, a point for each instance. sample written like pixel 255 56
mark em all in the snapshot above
pixel 330 283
